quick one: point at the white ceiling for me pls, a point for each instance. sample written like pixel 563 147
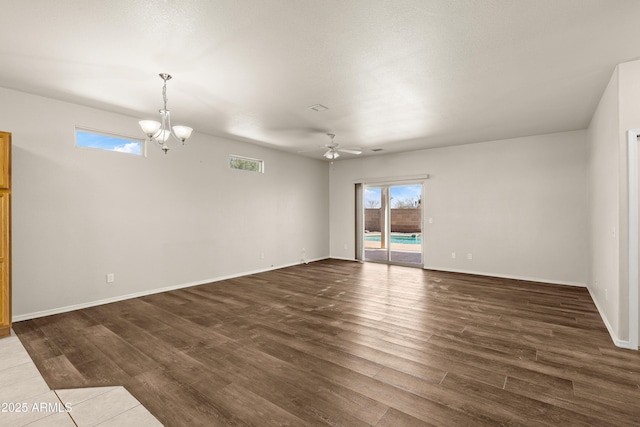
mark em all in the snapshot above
pixel 398 75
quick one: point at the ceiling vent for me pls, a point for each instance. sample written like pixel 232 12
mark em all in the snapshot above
pixel 376 149
pixel 318 107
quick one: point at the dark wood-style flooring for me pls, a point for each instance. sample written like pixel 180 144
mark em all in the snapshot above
pixel 347 344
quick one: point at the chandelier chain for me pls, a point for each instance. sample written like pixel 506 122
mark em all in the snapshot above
pixel 164 95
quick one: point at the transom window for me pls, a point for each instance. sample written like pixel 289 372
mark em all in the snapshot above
pixel 246 163
pixel 108 142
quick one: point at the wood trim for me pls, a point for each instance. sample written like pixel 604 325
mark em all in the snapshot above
pixel 5 235
pixel 5 161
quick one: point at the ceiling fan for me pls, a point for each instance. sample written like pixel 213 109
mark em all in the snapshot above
pixel 334 149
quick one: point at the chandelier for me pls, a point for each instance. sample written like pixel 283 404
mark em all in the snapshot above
pixel 162 132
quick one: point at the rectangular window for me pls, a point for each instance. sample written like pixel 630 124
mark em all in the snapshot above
pixel 109 142
pixel 246 164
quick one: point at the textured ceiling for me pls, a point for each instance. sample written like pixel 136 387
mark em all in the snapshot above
pixel 397 75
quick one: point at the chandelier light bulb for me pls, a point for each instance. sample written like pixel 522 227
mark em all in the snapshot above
pixel 150 127
pixel 162 135
pixel 182 132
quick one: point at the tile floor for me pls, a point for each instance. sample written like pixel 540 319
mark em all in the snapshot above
pixel 26 400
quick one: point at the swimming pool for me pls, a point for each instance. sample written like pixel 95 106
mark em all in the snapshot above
pixel 406 239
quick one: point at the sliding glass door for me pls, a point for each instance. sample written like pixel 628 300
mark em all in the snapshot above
pixel 392 221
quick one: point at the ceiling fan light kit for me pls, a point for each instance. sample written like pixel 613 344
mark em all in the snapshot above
pixel 161 132
pixel 333 149
pixel 332 154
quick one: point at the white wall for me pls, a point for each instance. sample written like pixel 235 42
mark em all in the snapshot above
pixel 629 94
pixel 604 207
pixel 617 112
pixel 154 222
pixel 519 205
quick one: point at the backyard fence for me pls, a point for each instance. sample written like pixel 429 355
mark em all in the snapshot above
pixel 402 220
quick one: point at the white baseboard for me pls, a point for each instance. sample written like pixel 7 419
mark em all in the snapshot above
pixel 80 306
pixel 614 337
pixel 343 258
pixel 506 276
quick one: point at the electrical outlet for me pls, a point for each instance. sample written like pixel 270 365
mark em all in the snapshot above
pixel 469 256
pixel 111 278
pixel 261 255
pixel 346 246
pixel 453 255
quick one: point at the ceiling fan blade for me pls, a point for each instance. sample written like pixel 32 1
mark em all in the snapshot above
pixel 350 150
pixel 316 149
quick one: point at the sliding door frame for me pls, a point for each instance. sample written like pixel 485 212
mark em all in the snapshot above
pixel 361 184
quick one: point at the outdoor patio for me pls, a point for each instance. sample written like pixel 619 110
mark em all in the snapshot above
pixel 399 252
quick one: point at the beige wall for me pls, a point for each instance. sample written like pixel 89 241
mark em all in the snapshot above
pixel 617 112
pixel 154 222
pixel 629 93
pixel 604 207
pixel 519 206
